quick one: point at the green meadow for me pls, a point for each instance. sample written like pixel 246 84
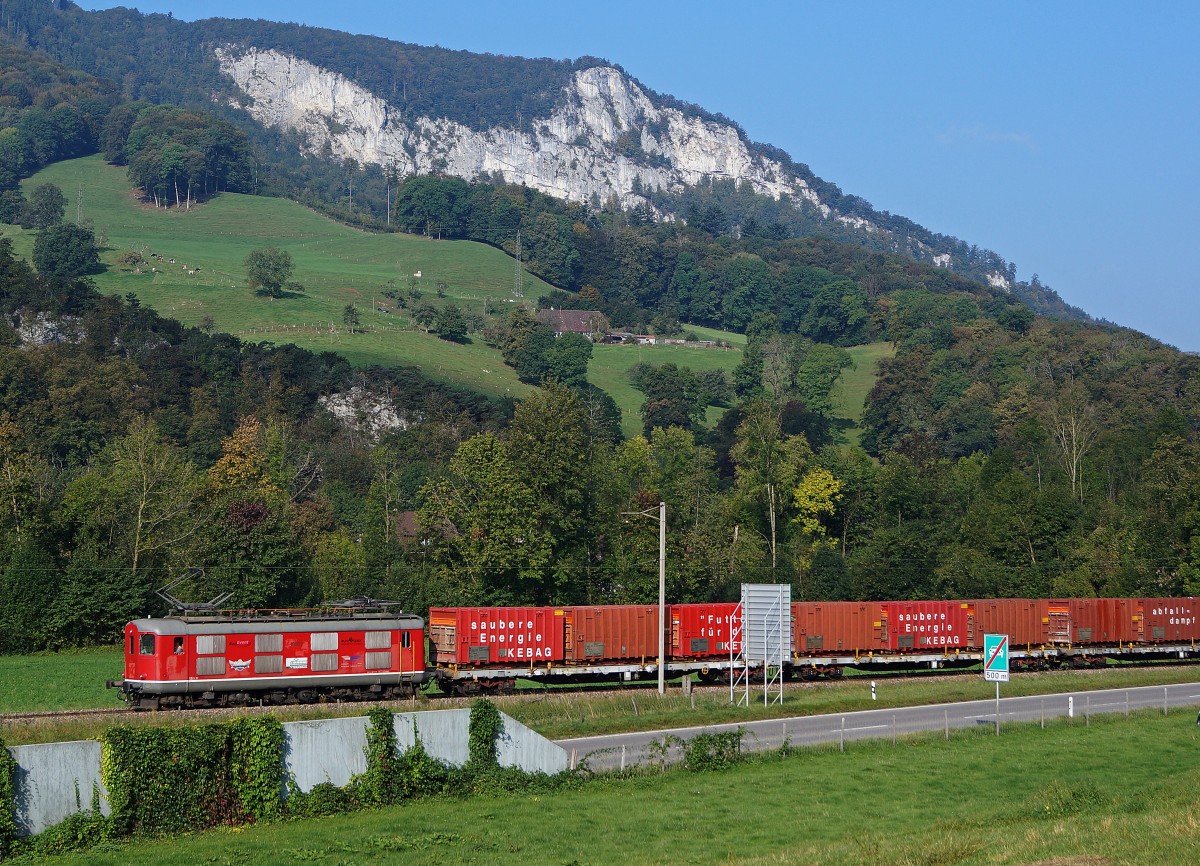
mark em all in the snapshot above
pixel 610 365
pixel 1117 792
pixel 336 264
pixel 850 393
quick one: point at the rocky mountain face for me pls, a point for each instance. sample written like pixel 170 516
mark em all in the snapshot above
pixel 605 138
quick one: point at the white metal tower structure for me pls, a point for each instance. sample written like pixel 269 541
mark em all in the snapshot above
pixel 766 639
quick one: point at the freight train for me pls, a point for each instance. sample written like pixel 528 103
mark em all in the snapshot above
pixel 364 651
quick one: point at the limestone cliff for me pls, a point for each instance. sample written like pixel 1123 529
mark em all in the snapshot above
pixel 605 138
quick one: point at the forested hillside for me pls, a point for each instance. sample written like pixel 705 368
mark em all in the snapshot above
pixel 158 59
pixel 1003 452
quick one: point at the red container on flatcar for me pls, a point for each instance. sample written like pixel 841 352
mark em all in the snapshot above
pixel 837 628
pixel 925 626
pixel 1169 620
pixel 703 630
pixel 491 636
pixel 608 633
pixel 1026 621
pixel 1093 620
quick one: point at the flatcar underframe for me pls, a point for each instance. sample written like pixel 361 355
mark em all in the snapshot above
pixel 469 680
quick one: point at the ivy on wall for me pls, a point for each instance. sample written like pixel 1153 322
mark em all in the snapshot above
pixel 168 780
pixel 257 767
pixel 486 727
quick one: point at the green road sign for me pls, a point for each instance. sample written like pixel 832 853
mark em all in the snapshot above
pixel 995 658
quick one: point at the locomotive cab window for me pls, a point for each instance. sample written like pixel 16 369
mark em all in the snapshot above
pixel 406 639
pixel 147 644
pixel 133 644
pixel 177 646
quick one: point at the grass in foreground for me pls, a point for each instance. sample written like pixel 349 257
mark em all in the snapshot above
pixel 1117 792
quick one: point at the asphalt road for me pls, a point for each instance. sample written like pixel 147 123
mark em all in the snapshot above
pixel 613 751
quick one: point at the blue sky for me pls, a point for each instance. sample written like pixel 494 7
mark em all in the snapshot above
pixel 1062 135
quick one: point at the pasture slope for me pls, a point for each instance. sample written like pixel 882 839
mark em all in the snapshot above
pixel 336 264
pixel 340 265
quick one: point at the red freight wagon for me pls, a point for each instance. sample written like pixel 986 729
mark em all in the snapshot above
pixel 491 636
pixel 925 626
pixel 204 657
pixel 703 630
pixel 1026 621
pixel 1093 620
pixel 600 633
pixel 1169 620
pixel 836 627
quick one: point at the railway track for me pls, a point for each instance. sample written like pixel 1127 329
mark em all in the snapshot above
pixel 63 714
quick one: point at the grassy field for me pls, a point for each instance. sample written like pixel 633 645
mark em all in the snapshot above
pixel 610 364
pixel 1116 792
pixel 59 681
pixel 337 265
pixel 850 393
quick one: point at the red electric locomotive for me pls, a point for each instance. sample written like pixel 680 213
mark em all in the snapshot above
pixel 238 658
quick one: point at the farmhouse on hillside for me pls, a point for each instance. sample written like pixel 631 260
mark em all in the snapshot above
pixel 586 322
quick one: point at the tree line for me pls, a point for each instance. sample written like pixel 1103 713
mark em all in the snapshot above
pixel 133 450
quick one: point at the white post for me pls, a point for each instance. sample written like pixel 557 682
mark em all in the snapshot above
pixel 997 708
pixel 872 690
pixel 662 596
pixel 1070 707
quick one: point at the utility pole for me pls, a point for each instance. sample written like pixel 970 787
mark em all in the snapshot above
pixel 662 595
pixel 662 588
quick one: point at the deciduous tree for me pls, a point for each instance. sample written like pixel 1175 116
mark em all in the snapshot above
pixel 268 270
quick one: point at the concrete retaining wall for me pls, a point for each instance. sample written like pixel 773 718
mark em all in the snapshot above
pixel 326 750
pixel 56 780
pixel 443 733
pixel 521 747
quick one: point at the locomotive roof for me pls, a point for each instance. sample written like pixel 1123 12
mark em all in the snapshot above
pixel 262 624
